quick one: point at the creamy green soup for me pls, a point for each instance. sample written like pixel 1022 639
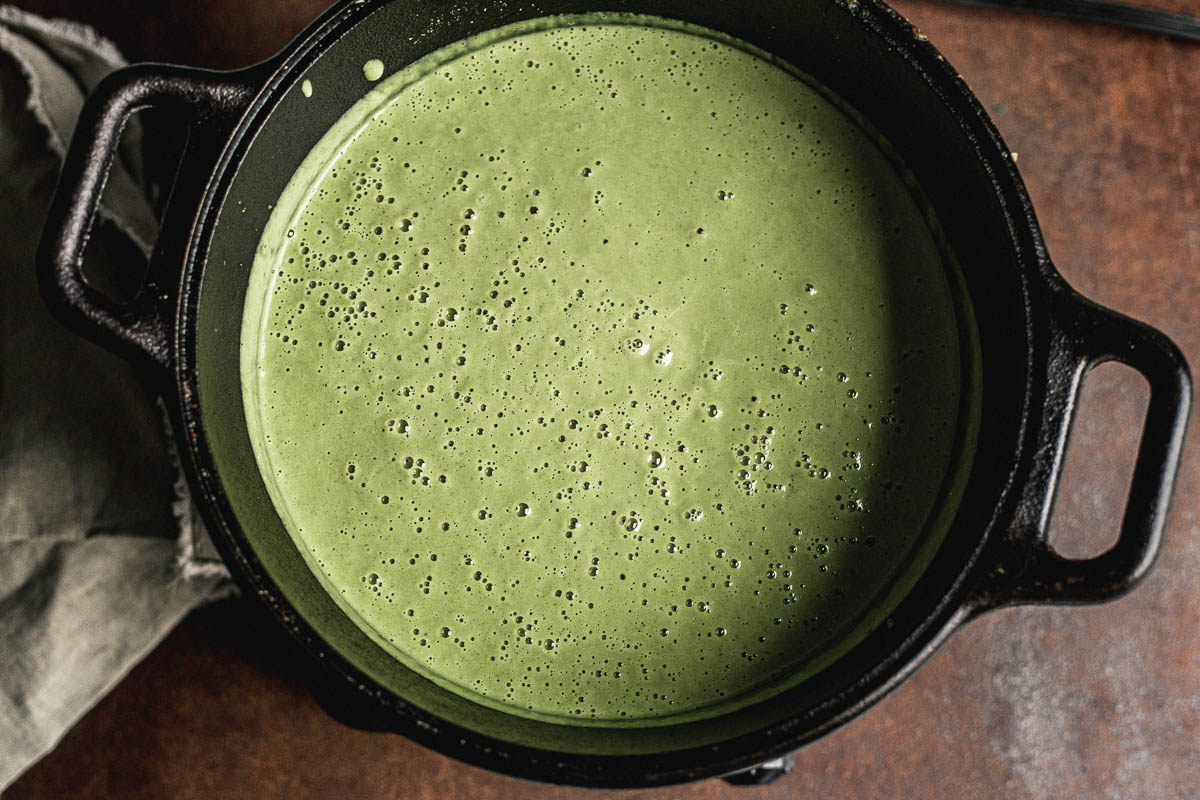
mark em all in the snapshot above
pixel 607 371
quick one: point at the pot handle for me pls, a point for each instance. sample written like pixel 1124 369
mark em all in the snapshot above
pixel 210 102
pixel 1024 567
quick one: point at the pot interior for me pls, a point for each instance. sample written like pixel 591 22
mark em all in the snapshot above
pixel 842 48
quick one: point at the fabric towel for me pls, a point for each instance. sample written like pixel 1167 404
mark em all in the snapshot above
pixel 101 553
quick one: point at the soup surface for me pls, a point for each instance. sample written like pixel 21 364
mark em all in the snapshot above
pixel 604 369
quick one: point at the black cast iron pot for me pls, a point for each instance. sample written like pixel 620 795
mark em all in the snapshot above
pixel 249 130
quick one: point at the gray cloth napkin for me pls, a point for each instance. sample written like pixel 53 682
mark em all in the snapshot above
pixel 101 553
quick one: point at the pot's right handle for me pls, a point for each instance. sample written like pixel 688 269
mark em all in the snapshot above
pixel 1021 566
pixel 209 103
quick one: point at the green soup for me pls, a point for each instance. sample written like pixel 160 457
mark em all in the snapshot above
pixel 604 369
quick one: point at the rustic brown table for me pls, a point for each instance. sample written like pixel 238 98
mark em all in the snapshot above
pixel 1025 702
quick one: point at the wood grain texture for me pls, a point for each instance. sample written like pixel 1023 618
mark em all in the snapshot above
pixel 1024 703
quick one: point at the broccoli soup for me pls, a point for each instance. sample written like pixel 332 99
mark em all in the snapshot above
pixel 606 369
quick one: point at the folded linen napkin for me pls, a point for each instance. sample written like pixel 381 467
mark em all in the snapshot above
pixel 101 553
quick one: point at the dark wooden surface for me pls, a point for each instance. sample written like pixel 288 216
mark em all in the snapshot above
pixel 1030 702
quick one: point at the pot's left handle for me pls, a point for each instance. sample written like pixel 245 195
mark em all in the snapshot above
pixel 209 103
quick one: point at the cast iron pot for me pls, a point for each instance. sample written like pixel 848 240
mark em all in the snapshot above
pixel 249 130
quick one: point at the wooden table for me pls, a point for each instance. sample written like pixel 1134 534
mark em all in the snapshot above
pixel 1027 702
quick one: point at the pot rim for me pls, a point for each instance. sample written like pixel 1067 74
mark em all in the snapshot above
pixel 729 756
